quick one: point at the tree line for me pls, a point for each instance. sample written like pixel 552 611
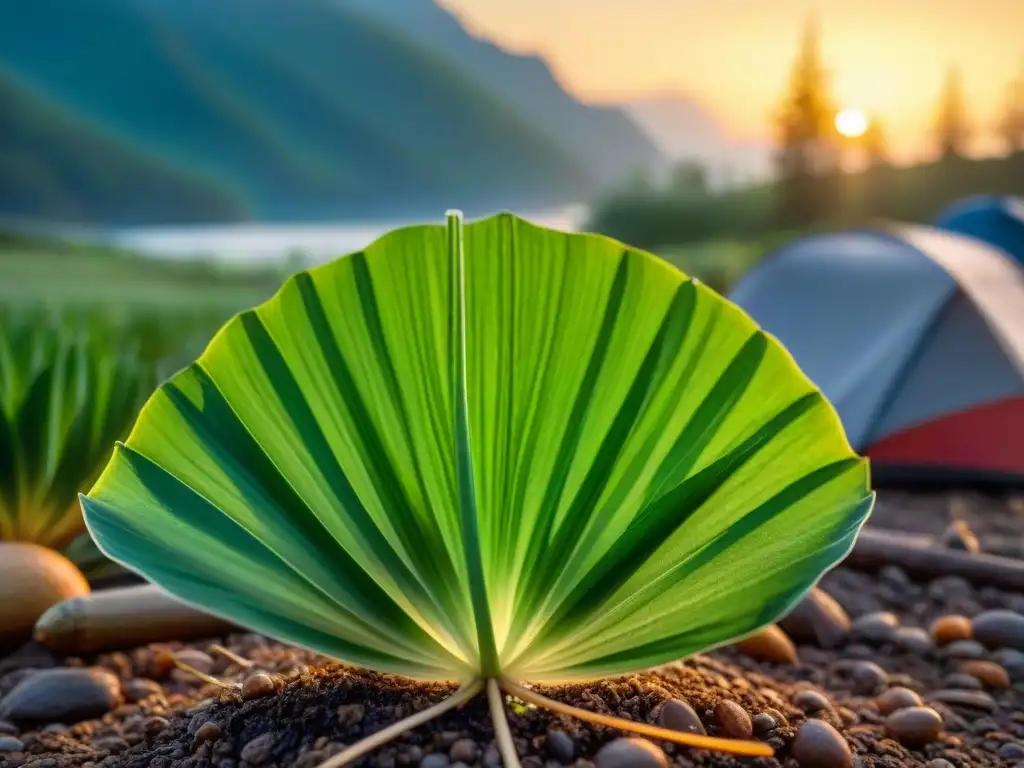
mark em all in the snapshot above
pixel 810 187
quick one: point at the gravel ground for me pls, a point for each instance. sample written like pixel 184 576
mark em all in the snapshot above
pixel 136 709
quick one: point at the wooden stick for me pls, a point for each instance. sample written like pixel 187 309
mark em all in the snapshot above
pixel 876 548
pixel 123 618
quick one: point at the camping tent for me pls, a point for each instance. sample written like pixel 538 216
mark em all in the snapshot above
pixel 996 220
pixel 916 335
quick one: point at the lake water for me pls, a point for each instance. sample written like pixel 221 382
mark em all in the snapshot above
pixel 264 242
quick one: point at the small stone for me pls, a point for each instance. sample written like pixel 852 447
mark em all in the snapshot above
pixel 897 698
pixel 966 649
pixel 763 723
pixel 940 763
pixel 962 681
pixel 155 725
pixel 988 672
pixel 913 639
pixel 680 716
pixel 1011 750
pixel 733 720
pixel 561 746
pixel 8 729
pixel 914 727
pixel 818 745
pixel 255 686
pixel 948 629
pixel 972 699
pixel 199 661
pixel 351 714
pixel 65 695
pixel 434 760
pixel 878 627
pixel 868 678
pixel 1000 629
pixel 810 701
pixel 959 536
pixel 770 644
pixel 259 749
pixel 464 751
pixel 817 619
pixel 1012 661
pixel 208 731
pixel 492 758
pixel 112 744
pixel 630 753
pixel 140 688
pixel 10 744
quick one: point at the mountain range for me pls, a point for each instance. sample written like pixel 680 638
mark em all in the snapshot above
pixel 138 111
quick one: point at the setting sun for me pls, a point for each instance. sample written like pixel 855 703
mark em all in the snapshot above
pixel 852 123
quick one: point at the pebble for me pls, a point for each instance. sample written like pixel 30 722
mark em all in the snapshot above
pixel 112 744
pixel 1012 661
pixel 810 701
pixel 199 661
pixel 770 644
pixel 897 698
pixel 1011 751
pixel 10 744
pixel 868 678
pixel 878 627
pixel 680 716
pixel 255 686
pixel 966 649
pixel 733 720
pixel 8 729
pixel 208 731
pixel 959 536
pixel 1000 629
pixel 973 699
pixel 818 619
pixel 962 681
pixel 818 745
pixel 948 629
pixel 140 688
pixel 913 639
pixel 62 695
pixel 561 746
pixel 914 726
pixel 258 750
pixel 940 763
pixel 763 723
pixel 630 753
pixel 434 760
pixel 464 751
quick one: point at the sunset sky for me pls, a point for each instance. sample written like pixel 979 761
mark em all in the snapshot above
pixel 888 57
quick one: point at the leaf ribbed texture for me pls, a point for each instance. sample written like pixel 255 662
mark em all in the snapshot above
pixel 535 453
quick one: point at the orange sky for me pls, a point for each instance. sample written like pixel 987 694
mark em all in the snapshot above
pixel 733 56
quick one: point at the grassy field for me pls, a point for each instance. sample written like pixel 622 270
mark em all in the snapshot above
pixel 37 273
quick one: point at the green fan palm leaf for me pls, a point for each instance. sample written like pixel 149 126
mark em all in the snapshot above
pixel 497 452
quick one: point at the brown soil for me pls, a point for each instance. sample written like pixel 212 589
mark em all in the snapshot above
pixel 322 706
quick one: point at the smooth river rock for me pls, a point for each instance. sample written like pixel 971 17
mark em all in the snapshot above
pixel 631 753
pixel 63 695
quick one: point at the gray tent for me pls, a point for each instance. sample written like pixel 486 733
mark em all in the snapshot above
pixel 915 334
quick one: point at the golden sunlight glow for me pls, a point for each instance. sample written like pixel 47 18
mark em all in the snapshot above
pixel 852 123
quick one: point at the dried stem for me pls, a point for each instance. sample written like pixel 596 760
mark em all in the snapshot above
pixel 502 734
pixel 370 743
pixel 203 676
pixel 231 656
pixel 731 746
